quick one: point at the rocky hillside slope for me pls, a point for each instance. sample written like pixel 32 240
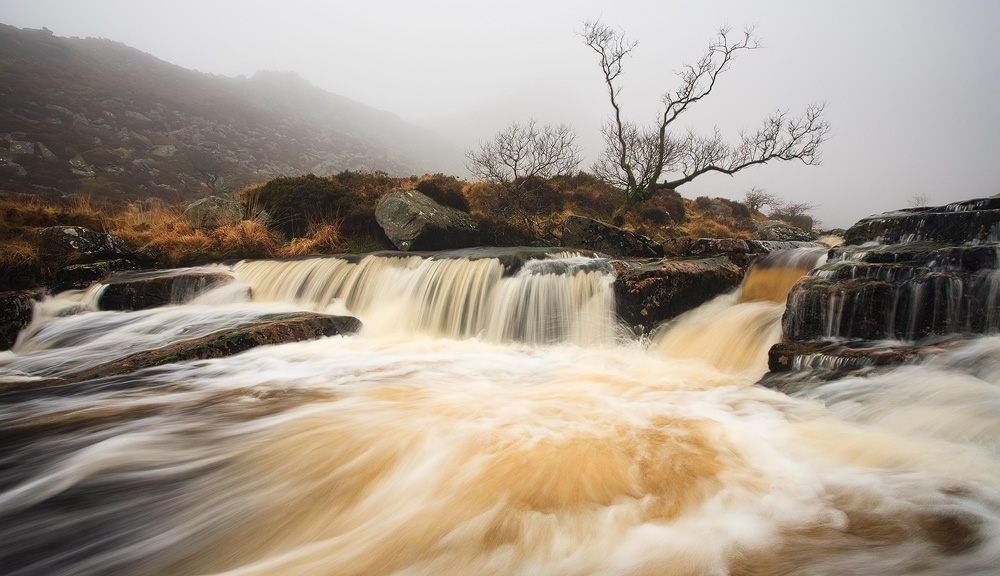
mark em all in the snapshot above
pixel 97 117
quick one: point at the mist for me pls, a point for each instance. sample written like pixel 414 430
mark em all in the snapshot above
pixel 910 87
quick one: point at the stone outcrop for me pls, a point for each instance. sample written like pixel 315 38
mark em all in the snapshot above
pixel 83 245
pixel 78 276
pixel 81 257
pixel 589 234
pixel 15 313
pixel 652 293
pixel 778 231
pixel 139 291
pixel 213 212
pixel 275 330
pixel 911 276
pixel 413 222
pixel 969 222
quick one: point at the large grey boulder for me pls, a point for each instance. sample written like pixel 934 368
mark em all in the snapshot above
pixel 589 234
pixel 414 221
pixel 213 212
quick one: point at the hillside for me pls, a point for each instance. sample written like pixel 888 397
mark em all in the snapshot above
pixel 97 117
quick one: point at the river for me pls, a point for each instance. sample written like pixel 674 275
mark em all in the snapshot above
pixel 486 420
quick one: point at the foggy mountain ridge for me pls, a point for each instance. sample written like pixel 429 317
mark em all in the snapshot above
pixel 99 117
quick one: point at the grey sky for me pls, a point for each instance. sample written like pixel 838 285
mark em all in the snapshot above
pixel 911 86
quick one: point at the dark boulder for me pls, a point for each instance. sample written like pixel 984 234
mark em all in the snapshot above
pixel 16 309
pixel 79 276
pixel 81 245
pixel 652 293
pixel 138 291
pixel 413 221
pixel 589 234
pixel 213 212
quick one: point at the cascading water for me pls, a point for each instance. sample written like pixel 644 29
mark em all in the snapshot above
pixel 562 298
pixel 487 420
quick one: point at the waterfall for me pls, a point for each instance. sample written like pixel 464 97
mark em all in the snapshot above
pixel 564 298
pixel 869 293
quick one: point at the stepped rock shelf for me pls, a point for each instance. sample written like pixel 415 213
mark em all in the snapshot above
pixel 904 285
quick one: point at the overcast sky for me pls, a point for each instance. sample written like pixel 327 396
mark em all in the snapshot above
pixel 911 86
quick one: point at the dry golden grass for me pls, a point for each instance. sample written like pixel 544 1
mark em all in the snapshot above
pixel 323 239
pixel 139 224
pixel 20 263
pixel 711 229
pixel 248 239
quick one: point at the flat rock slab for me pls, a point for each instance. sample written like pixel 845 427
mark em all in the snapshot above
pixel 139 291
pixel 279 329
pixel 969 222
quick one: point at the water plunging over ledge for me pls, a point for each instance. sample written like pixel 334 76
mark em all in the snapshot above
pixel 489 419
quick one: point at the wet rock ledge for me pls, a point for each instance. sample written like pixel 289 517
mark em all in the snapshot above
pixel 904 285
pixel 277 329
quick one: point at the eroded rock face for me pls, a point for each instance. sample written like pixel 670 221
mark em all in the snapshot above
pixel 15 313
pixel 589 234
pixel 650 294
pixel 912 276
pixel 213 212
pixel 414 221
pixel 968 222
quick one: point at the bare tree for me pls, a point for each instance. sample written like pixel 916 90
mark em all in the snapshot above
pixel 795 213
pixel 918 200
pixel 637 157
pixel 756 198
pixel 520 157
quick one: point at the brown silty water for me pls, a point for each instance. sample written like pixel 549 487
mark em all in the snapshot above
pixel 486 421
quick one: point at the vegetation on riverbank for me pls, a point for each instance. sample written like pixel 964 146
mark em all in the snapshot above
pixel 342 220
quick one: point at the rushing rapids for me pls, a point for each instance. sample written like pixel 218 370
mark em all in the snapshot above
pixel 486 420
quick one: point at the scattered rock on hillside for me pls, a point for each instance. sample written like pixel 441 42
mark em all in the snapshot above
pixel 213 212
pixel 15 313
pixel 589 234
pixel 658 291
pixel 414 221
